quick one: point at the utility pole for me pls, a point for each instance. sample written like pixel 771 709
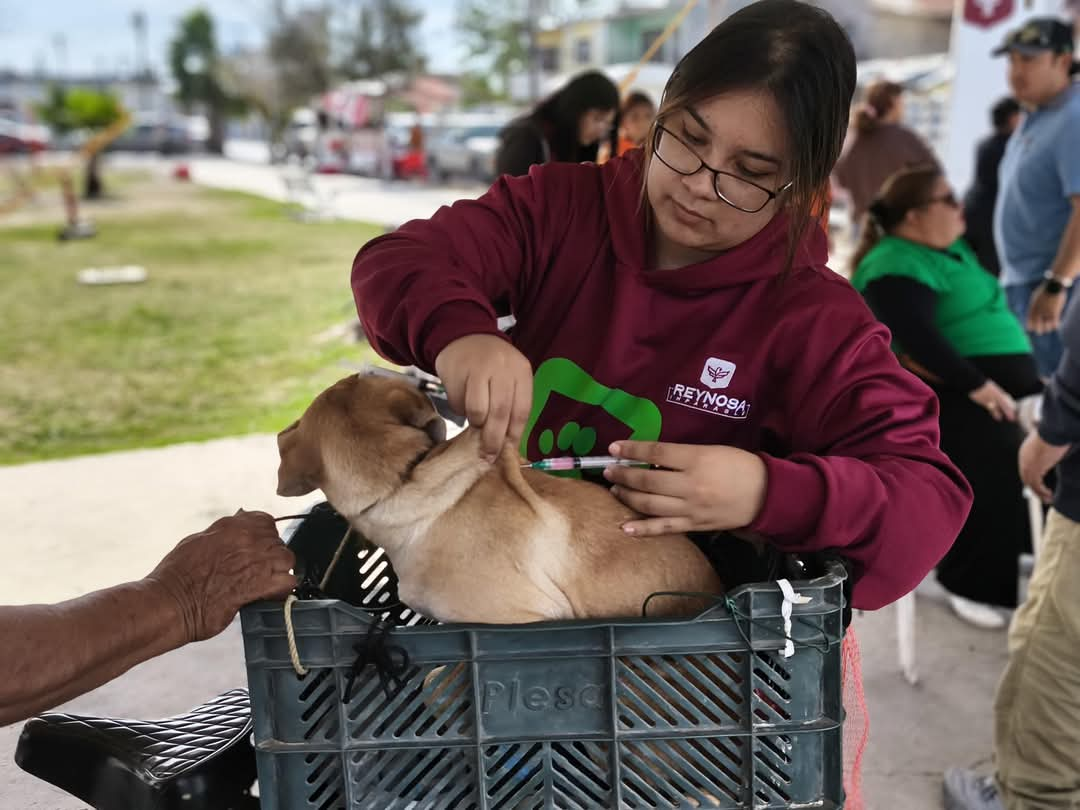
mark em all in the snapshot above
pixel 142 67
pixel 532 13
pixel 59 42
pixel 138 25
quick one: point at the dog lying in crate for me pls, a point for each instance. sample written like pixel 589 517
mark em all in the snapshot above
pixel 471 541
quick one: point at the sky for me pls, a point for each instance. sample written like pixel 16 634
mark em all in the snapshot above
pixel 98 36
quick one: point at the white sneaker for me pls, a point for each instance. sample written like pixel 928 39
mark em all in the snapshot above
pixel 978 614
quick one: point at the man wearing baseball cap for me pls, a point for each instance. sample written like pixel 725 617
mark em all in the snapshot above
pixel 1036 222
pixel 1037 231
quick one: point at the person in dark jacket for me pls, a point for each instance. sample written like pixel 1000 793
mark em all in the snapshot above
pixel 981 197
pixel 1036 708
pixel 567 127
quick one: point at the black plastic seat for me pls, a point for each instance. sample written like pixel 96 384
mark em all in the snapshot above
pixel 202 760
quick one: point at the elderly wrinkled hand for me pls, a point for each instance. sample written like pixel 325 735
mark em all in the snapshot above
pixel 213 573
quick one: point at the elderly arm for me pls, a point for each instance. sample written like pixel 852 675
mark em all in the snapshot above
pixel 52 653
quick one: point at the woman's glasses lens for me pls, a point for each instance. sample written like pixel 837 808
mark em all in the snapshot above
pixel 733 190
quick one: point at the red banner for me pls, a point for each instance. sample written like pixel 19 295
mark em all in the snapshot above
pixel 987 13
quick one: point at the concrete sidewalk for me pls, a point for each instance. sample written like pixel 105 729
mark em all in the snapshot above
pixel 366 199
pixel 74 526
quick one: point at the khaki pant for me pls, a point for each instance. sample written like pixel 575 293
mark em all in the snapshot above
pixel 1037 707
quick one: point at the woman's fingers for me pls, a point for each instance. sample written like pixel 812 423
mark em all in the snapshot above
pixel 649 503
pixel 521 408
pixel 1008 410
pixel 476 400
pixel 662 525
pixel 660 482
pixel 500 405
pixel 659 454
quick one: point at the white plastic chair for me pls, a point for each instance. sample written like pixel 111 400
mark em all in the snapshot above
pixel 905 606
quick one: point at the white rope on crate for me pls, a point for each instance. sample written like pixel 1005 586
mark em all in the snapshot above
pixel 290 633
pixel 294 654
pixel 791 597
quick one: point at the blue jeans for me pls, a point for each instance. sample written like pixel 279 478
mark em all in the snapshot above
pixel 1046 348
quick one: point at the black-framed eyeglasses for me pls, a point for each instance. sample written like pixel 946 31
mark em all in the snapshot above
pixel 738 192
pixel 948 199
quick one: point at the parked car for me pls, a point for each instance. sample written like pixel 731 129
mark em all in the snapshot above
pixel 165 138
pixel 466 151
pixel 22 139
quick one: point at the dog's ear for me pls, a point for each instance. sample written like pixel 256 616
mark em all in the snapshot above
pixel 300 471
pixel 415 409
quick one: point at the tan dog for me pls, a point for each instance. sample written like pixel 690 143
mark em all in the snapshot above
pixel 472 541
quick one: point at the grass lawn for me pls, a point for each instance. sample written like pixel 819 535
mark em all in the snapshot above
pixel 228 335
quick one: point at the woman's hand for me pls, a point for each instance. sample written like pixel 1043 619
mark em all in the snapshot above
pixel 996 401
pixel 489 381
pixel 699 488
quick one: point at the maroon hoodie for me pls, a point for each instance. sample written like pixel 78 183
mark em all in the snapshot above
pixel 730 351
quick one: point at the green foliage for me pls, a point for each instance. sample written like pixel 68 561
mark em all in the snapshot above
pixel 495 31
pixel 383 40
pixel 67 110
pixel 193 59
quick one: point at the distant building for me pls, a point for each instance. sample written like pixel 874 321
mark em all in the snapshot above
pixel 880 29
pixel 141 94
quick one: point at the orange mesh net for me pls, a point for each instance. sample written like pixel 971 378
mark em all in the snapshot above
pixel 856 720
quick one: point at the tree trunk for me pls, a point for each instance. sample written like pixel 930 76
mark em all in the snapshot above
pixel 94 189
pixel 215 143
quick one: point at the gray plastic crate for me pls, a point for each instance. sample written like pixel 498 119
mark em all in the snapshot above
pixel 575 715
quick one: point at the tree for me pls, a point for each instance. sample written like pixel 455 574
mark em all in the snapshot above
pixel 496 32
pixel 193 58
pixel 382 40
pixel 499 34
pixel 299 50
pixel 476 90
pixel 69 110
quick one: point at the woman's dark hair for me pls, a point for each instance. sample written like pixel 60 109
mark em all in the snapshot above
pixel 1002 111
pixel 636 99
pixel 881 97
pixel 904 191
pixel 560 114
pixel 801 56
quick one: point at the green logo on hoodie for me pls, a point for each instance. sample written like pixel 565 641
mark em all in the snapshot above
pixel 565 377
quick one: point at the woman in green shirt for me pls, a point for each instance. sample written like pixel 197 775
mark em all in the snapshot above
pixel 952 327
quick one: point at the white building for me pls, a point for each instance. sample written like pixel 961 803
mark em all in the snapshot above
pixel 143 95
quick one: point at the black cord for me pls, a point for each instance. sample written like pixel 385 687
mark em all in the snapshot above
pixel 820 642
pixel 391 662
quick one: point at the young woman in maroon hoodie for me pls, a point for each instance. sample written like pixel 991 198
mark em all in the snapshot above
pixel 673 306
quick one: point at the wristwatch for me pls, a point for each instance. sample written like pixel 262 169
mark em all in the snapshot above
pixel 1054 285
